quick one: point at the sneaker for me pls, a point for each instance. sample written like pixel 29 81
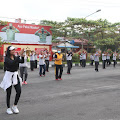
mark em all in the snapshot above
pixel 60 78
pixel 40 75
pixel 9 111
pixel 56 79
pixel 15 109
pixel 22 83
pixel 25 82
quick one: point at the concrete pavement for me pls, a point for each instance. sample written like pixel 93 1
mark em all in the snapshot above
pixel 83 95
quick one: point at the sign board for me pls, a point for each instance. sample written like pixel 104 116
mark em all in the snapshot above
pixel 26 33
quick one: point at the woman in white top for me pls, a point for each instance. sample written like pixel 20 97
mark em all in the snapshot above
pixel 42 57
pixel 114 58
pixel 23 69
pixel 32 61
pixel 47 61
pixel 92 59
pixel 104 59
pixel 35 56
pixel 80 55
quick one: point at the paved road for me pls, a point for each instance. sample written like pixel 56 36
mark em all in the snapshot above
pixel 83 95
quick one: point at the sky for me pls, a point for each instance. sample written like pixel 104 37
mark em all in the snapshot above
pixel 59 10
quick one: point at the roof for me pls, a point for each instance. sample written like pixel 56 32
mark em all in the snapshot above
pixel 66 45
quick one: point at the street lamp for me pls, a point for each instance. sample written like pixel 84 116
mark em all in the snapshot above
pixel 93 13
pixel 88 16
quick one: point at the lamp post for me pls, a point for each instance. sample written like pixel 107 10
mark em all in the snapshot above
pixel 88 16
pixel 93 13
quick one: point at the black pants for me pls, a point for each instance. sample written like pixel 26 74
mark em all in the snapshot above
pixel 83 63
pixel 23 71
pixel 108 62
pixel 96 65
pixel 57 68
pixel 114 63
pixel 35 63
pixel 92 62
pixel 42 67
pixel 71 63
pixel 47 64
pixel 104 62
pixel 18 93
pixel 32 65
pixel 69 66
pixel 4 67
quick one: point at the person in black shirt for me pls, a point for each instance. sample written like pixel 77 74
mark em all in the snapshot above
pixel 11 77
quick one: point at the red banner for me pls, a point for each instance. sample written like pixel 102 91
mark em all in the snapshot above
pixel 28 28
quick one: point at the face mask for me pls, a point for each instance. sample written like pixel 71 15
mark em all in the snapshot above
pixel 59 51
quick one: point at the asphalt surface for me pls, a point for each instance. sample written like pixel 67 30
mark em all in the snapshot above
pixel 83 95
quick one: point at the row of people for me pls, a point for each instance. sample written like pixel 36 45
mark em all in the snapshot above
pixel 12 78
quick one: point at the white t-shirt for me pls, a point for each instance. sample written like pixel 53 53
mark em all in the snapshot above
pixel 47 58
pixel 114 56
pixel 32 57
pixel 68 57
pixel 96 58
pixel 108 56
pixel 41 60
pixel 25 62
pixel 83 56
pixel 91 57
pixel 103 57
pixel 35 56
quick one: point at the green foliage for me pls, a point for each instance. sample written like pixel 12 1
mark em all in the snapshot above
pixel 3 22
pixel 1 65
pixel 99 32
pixel 75 58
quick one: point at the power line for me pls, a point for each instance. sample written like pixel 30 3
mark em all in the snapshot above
pixel 22 19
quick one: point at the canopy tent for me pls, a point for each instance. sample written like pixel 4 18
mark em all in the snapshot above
pixel 66 45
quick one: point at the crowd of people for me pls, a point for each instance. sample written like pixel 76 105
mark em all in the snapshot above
pixel 13 63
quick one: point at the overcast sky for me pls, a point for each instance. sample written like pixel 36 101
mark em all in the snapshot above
pixel 59 10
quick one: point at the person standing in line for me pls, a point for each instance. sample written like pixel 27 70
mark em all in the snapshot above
pixel 92 59
pixel 114 58
pixel 96 59
pixel 11 78
pixel 108 59
pixel 47 60
pixel 68 58
pixel 35 59
pixel 104 59
pixel 32 61
pixel 23 69
pixel 84 58
pixel 4 61
pixel 71 54
pixel 80 55
pixel 119 57
pixel 42 57
pixel 58 65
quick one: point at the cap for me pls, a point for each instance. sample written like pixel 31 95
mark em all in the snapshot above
pixel 12 48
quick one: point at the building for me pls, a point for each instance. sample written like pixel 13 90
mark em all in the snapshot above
pixel 28 36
